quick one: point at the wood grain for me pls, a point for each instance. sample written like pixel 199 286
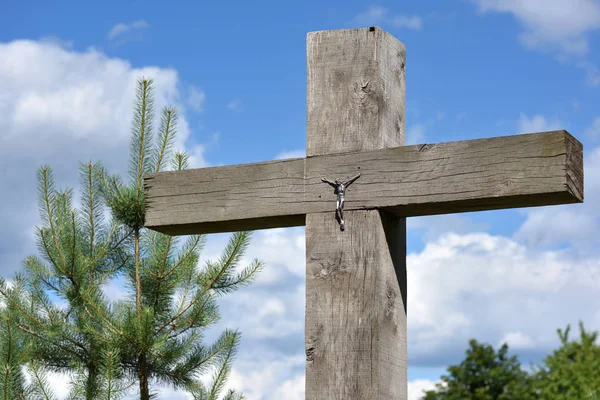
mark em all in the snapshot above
pixel 356 279
pixel 526 170
pixel 356 307
pixel 355 91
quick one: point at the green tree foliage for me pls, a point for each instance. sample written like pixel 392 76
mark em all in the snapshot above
pixel 484 375
pixel 13 354
pixel 78 250
pixel 57 317
pixel 571 372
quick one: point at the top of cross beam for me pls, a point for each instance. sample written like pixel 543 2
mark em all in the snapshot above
pixel 525 170
pixel 355 91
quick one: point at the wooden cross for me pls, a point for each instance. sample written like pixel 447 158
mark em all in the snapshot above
pixel 356 279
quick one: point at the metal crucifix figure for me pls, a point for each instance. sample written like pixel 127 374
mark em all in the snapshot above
pixel 339 189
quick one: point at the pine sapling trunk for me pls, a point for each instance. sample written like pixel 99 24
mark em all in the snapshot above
pixel 8 363
pixel 138 289
pixel 142 360
pixel 143 376
pixel 91 384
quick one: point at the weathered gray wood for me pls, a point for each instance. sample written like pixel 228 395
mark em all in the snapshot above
pixel 356 307
pixel 484 174
pixel 355 280
pixel 355 91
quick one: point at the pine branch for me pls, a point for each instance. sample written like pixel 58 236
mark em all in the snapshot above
pixel 142 131
pixel 193 246
pixel 167 132
pixel 180 161
pixel 44 275
pixel 112 374
pixel 93 301
pixel 201 295
pixel 6 293
pixel 13 354
pixel 202 314
pixel 244 278
pixel 92 204
pixel 221 276
pixel 220 377
pixel 39 388
pixel 232 395
pixel 107 190
pixel 48 200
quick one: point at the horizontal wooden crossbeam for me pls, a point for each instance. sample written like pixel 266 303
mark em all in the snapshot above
pixel 525 170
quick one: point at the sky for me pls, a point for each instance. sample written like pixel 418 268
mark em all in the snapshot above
pixel 236 72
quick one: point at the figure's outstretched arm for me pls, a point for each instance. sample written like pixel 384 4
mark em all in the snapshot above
pixel 329 182
pixel 349 182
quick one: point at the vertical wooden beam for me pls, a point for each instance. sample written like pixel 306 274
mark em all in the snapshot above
pixel 356 279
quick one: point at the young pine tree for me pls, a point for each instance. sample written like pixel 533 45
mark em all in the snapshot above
pixel 65 321
pixel 159 328
pixel 45 304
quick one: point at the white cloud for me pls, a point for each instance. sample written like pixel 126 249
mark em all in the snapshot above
pixel 516 340
pixel 465 286
pixel 291 389
pixel 264 314
pixel 272 306
pixel 196 154
pixel 537 123
pixel 551 24
pixel 299 153
pixel 282 246
pixel 122 28
pixel 417 386
pixel 375 15
pixel 79 109
pixel 272 380
pixel 549 227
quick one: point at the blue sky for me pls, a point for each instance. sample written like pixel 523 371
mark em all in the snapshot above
pixel 237 73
